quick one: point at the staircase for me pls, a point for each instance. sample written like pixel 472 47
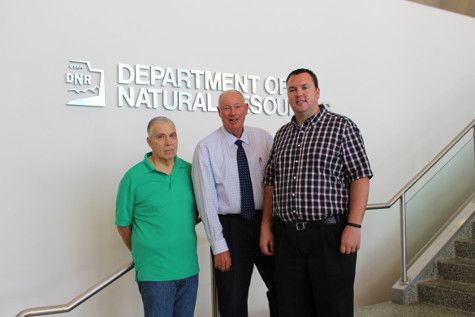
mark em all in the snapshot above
pixel 455 285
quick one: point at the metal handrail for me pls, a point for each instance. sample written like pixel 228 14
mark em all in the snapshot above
pixel 402 193
pixel 424 170
pixel 58 309
pixel 49 310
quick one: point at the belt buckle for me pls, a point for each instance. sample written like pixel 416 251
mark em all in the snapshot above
pixel 299 226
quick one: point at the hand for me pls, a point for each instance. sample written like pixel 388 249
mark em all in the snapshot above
pixel 350 240
pixel 267 241
pixel 222 261
pixel 198 220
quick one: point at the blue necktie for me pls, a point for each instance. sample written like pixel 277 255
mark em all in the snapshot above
pixel 247 197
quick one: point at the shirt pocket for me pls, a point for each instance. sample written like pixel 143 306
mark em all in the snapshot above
pixel 256 169
pixel 326 157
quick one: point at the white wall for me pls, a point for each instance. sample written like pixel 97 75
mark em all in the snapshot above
pixel 404 72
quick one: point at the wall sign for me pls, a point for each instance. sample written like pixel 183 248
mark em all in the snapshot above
pixel 174 89
pixel 86 84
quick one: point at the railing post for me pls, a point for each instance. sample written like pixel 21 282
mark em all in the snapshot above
pixel 404 279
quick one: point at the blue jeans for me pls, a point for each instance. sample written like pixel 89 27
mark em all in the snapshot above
pixel 175 298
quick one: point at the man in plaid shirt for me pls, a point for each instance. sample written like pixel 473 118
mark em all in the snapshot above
pixel 316 187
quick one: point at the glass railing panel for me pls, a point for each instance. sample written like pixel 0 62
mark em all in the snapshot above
pixel 430 208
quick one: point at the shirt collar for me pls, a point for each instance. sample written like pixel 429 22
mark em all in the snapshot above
pixel 231 139
pixel 149 167
pixel 313 120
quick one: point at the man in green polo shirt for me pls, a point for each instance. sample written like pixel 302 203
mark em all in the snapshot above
pixel 155 216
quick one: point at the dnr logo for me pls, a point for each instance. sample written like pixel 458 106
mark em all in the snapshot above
pixel 85 84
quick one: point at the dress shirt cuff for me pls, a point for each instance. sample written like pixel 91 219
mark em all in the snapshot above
pixel 219 246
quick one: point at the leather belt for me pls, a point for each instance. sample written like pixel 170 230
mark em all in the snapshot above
pixel 304 225
pixel 239 216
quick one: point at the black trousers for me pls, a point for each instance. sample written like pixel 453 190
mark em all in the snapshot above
pixel 242 237
pixel 313 278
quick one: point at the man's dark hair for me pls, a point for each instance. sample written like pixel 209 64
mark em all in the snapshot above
pixel 301 71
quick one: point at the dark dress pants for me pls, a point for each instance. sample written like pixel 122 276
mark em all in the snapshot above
pixel 242 237
pixel 313 278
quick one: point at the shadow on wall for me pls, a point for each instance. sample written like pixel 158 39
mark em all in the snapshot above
pixel 465 7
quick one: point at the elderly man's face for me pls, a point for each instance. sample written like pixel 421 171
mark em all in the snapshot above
pixel 233 110
pixel 163 140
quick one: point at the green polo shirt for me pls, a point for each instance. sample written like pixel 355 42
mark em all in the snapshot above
pixel 161 210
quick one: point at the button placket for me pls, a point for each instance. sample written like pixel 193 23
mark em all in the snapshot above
pixel 296 154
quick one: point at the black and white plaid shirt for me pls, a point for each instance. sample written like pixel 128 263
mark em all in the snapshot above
pixel 311 167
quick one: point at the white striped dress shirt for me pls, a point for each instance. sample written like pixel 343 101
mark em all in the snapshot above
pixel 216 179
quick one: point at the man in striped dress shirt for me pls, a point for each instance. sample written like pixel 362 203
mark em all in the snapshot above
pixel 233 232
pixel 316 186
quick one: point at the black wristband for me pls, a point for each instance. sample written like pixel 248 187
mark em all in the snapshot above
pixel 351 224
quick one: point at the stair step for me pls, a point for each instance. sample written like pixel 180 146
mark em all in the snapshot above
pixel 388 309
pixel 465 248
pixel 457 269
pixel 448 293
pixel 473 229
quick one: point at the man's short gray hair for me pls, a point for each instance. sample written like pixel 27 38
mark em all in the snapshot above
pixel 228 91
pixel 157 120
